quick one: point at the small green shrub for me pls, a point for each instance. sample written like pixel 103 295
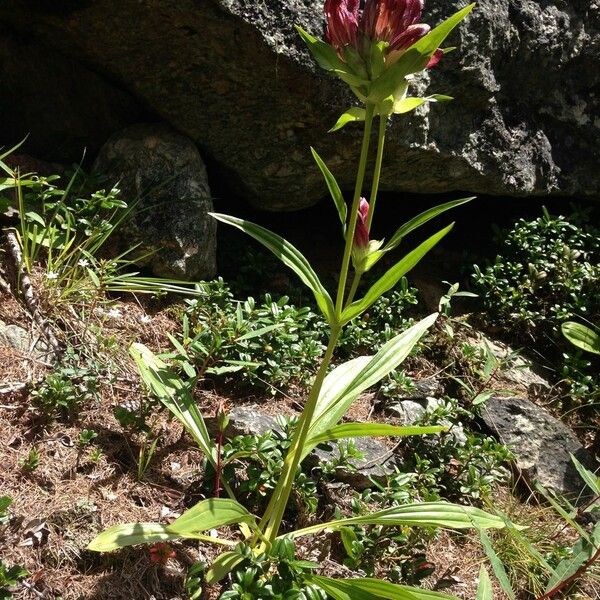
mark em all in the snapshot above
pixel 31 462
pixel 254 462
pixel 271 344
pixel 548 272
pixel 64 391
pixel 272 575
pixel 457 464
pixel 9 578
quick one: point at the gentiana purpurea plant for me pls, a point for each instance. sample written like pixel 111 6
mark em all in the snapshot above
pixel 375 47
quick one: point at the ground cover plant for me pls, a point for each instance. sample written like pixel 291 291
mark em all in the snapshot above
pixel 547 274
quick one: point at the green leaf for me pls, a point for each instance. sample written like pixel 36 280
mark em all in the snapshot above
pixel 322 52
pixel 222 566
pixel 433 514
pixel 353 430
pixel 333 187
pixel 583 552
pixel 370 589
pixel 421 219
pixel 497 566
pixel 389 279
pixel 415 58
pixel 484 589
pixel 346 382
pixel 174 395
pixel 581 336
pixel 129 534
pixel 210 514
pixel 350 116
pixel 258 332
pixel 591 479
pixel 405 105
pixel 289 256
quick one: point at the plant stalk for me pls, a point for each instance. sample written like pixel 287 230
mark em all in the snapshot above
pixel 377 173
pixel 360 176
pixel 277 504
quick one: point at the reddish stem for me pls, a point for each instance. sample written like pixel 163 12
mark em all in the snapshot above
pixel 218 477
pixel 563 584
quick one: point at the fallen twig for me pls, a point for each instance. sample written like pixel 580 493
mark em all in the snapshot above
pixel 11 388
pixel 29 295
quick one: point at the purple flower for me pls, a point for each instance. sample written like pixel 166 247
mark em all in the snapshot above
pixel 393 21
pixel 342 22
pixel 361 233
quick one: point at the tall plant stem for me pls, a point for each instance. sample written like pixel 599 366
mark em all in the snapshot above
pixel 360 177
pixel 279 499
pixel 377 173
pixel 353 288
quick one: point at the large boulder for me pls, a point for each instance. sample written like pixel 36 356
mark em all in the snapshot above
pixel 62 107
pixel 234 77
pixel 161 173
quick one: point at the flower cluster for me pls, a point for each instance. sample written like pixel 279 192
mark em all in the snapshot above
pixel 358 25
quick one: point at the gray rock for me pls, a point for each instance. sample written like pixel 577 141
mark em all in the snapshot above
pixel 17 338
pixel 377 463
pixel 245 420
pixel 163 172
pixel 515 369
pixel 235 78
pixel 540 442
pixel 408 411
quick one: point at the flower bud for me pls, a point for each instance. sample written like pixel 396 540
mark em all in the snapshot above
pixel 361 233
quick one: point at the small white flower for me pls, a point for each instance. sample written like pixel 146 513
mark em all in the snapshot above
pixel 114 313
pixel 83 262
pixel 51 275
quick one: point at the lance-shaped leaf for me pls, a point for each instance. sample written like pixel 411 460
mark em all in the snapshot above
pixel 581 556
pixel 421 219
pixel 222 566
pixel 415 58
pixel 427 514
pixel 405 105
pixel 210 514
pixel 333 187
pixel 130 534
pixel 591 479
pixel 344 384
pixel 174 395
pixel 350 116
pixel 328 59
pixel 497 565
pixel 581 336
pixel 389 279
pixel 370 589
pixel 289 256
pixel 207 514
pixel 354 430
pixel 322 52
pixel 484 589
